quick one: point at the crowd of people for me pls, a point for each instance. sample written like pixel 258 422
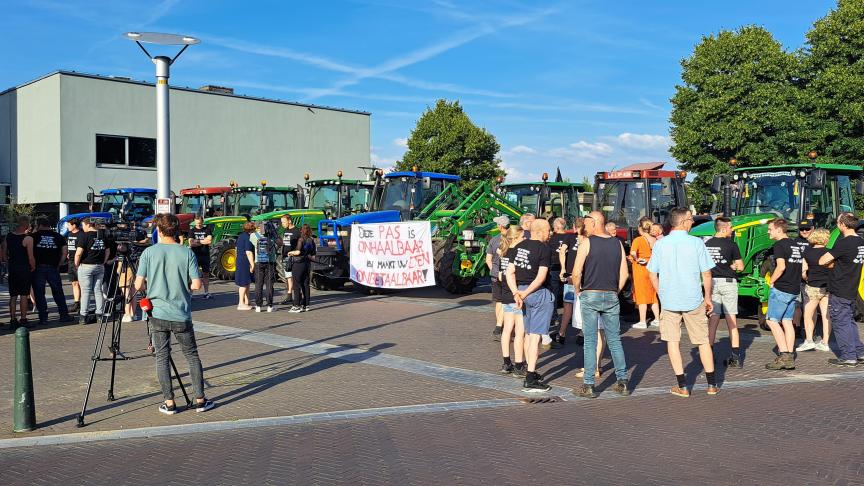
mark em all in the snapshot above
pixel 582 269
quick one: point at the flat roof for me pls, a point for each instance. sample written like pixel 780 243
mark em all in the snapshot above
pixel 182 88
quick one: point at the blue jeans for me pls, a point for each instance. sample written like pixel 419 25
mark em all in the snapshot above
pixel 841 313
pixel 50 275
pixel 603 305
pixel 781 306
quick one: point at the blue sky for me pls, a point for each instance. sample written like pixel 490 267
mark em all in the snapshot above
pixel 583 85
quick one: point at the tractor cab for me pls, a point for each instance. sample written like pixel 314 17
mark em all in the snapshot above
pixel 409 191
pixel 624 196
pixel 793 191
pixel 206 201
pixel 549 199
pixel 127 203
pixel 339 197
pixel 255 200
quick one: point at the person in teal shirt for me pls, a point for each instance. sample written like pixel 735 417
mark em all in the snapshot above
pixel 169 272
pixel 680 269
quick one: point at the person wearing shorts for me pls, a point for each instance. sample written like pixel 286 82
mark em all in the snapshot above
pixel 724 286
pixel 73 231
pixel 18 253
pixel 513 324
pixel 493 261
pixel 783 299
pixel 527 275
pixel 200 237
pixel 680 269
pixel 816 291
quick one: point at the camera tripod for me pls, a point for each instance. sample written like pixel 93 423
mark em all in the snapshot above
pixel 124 266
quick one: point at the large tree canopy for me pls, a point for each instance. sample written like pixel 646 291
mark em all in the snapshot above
pixel 833 80
pixel 739 100
pixel 445 140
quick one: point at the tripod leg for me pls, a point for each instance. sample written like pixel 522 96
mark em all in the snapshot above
pixel 115 343
pixel 180 382
pixel 110 306
pixel 100 339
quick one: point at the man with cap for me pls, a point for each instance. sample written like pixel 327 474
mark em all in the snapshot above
pixel 493 261
pixel 805 229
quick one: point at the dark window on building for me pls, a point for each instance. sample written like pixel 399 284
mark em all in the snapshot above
pixel 142 152
pixel 117 150
pixel 110 150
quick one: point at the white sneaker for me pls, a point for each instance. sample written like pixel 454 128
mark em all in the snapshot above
pixel 127 318
pixel 806 346
pixel 640 325
pixel 269 308
pixel 257 309
pixel 822 346
pixel 654 323
pixel 546 339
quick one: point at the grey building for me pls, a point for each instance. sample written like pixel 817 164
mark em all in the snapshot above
pixel 66 131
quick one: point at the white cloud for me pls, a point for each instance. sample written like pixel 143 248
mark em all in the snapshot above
pixel 516 174
pixel 581 150
pixel 522 149
pixel 642 141
pixel 401 142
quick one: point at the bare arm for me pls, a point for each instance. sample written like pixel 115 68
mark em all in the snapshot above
pixel 562 260
pixel 63 254
pixel 196 284
pixel 489 261
pixel 779 269
pixel 140 283
pixel 581 254
pixel 28 244
pixel 706 285
pixel 251 257
pixel 826 259
pixel 738 265
pixel 207 241
pixel 510 274
pixel 623 273
pixel 79 253
pixel 655 281
pixel 538 282
pixel 804 269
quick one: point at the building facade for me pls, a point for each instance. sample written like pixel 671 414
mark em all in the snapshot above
pixel 67 132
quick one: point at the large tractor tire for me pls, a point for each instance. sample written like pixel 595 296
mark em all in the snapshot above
pixel 223 259
pixel 447 279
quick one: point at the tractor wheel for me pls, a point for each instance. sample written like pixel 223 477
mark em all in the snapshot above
pixel 223 259
pixel 447 279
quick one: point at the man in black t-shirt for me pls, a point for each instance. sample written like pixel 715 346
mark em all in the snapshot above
pixel 847 254
pixel 559 241
pixel 290 236
pixel 526 277
pixel 783 299
pixel 200 237
pixel 724 288
pixel 90 258
pixel 72 232
pixel 49 250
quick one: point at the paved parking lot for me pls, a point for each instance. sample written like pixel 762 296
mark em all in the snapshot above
pixel 403 388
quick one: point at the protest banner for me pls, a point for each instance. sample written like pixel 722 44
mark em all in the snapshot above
pixel 392 255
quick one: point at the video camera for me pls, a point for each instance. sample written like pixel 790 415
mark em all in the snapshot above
pixel 124 233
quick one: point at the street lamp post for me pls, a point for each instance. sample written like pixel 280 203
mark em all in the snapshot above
pixel 163 122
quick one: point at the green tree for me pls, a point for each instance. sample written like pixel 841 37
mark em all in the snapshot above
pixel 834 82
pixel 445 140
pixel 739 99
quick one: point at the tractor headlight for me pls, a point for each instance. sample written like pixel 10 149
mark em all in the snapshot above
pixel 342 233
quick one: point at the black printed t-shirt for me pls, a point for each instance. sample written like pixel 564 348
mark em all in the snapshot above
pixel 200 234
pixel 790 251
pixel 71 240
pixel 557 240
pixel 289 239
pixel 528 257
pixel 94 248
pixel 817 275
pixel 848 253
pixel 571 254
pixel 47 245
pixel 803 243
pixel 724 252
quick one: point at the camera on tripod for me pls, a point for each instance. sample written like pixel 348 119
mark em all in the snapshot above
pixel 125 234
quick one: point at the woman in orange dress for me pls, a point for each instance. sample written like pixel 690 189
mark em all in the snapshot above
pixel 644 293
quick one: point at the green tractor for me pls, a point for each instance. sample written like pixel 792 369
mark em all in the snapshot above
pixel 549 199
pixel 241 204
pixel 753 196
pixel 461 229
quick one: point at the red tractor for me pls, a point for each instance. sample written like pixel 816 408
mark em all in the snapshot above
pixel 626 195
pixel 206 201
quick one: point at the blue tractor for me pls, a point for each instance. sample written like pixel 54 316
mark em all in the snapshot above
pixel 397 196
pixel 131 204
